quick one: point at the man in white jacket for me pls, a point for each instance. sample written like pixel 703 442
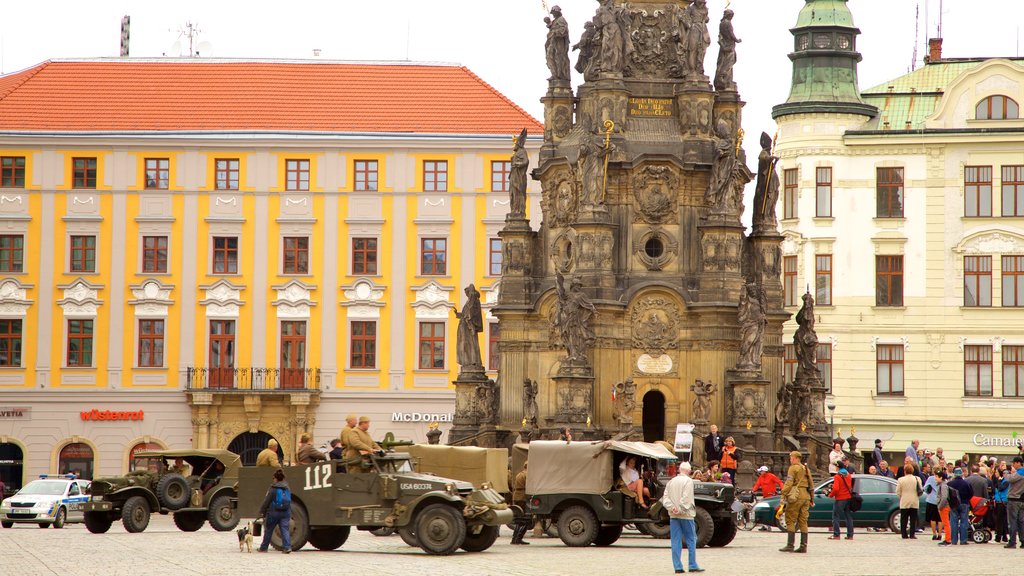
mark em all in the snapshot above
pixel 678 501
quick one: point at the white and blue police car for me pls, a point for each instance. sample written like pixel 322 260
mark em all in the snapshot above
pixel 52 499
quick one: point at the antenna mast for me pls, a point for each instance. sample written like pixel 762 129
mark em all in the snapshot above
pixel 191 31
pixel 917 37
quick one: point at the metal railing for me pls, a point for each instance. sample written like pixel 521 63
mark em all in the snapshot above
pixel 253 379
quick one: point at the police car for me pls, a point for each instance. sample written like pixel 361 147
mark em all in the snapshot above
pixel 52 499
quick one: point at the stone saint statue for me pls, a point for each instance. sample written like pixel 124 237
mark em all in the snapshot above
pixel 586 46
pixel 766 195
pixel 702 392
pixel 517 178
pixel 557 46
pixel 590 170
pixel 530 402
pixel 727 41
pixel 695 23
pixel 805 341
pixel 720 186
pixel 752 321
pixel 625 402
pixel 612 24
pixel 470 324
pixel 573 317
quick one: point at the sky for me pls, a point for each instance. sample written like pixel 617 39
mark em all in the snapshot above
pixel 502 41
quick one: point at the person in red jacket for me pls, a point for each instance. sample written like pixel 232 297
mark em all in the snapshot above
pixel 768 483
pixel 842 494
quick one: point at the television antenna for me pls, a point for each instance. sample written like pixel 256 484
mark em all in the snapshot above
pixel 917 35
pixel 189 33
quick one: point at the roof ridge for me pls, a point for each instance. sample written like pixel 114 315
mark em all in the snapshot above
pixel 29 73
pixel 500 95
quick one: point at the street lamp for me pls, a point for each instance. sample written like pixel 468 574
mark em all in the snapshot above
pixel 831 405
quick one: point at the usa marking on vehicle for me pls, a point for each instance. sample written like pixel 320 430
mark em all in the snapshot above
pixel 416 486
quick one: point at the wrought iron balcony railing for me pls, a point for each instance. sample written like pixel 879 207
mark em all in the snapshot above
pixel 253 379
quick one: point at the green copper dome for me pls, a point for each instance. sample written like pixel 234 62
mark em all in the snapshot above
pixel 825 13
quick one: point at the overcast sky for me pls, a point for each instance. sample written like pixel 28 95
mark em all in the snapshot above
pixel 500 40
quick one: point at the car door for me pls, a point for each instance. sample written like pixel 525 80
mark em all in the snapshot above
pixel 74 502
pixel 821 512
pixel 879 499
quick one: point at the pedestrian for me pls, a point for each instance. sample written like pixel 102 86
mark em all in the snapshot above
pixel 566 434
pixel 797 500
pixel 336 453
pixel 912 451
pixel 884 470
pixel 682 511
pixel 1015 502
pixel 959 507
pixel 360 444
pixel 730 459
pixel 713 443
pixel 842 497
pixel 999 498
pixel 768 484
pixel 942 489
pixel 931 508
pixel 909 490
pixel 940 455
pixel 276 511
pixel 307 453
pixel 835 456
pixel 876 454
pixel 522 520
pixel 268 456
pixel 350 425
pixel 979 484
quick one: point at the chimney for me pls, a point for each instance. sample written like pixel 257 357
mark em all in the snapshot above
pixel 934 50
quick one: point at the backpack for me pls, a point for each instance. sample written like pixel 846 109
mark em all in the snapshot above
pixel 953 498
pixel 282 499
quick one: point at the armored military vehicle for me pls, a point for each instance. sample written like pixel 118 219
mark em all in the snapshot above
pixel 205 494
pixel 438 514
pixel 577 487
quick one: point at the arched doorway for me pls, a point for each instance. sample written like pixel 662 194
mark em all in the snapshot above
pixel 249 444
pixel 11 472
pixel 151 464
pixel 654 416
pixel 76 458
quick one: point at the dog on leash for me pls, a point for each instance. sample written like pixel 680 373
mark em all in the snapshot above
pixel 245 538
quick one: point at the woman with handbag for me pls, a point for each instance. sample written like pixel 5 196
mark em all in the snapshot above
pixel 842 494
pixel 909 491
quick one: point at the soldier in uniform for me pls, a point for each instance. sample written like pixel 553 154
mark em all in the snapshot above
pixel 797 498
pixel 350 425
pixel 268 457
pixel 179 467
pixel 358 444
pixel 307 453
pixel 523 521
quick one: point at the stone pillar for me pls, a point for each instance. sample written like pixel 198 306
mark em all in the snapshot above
pixel 746 402
pixel 595 255
pixel 721 244
pixel 574 398
pixel 517 265
pixel 767 263
pixel 558 113
pixel 466 421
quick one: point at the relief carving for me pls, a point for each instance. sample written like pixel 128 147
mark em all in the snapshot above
pixel 655 322
pixel 654 188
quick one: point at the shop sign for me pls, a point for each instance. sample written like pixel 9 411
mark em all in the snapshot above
pixel 419 417
pixel 15 413
pixel 95 415
pixel 684 438
pixel 1011 441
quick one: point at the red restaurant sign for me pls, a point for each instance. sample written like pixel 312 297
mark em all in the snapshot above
pixel 110 415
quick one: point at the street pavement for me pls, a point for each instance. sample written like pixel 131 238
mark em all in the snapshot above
pixel 26 550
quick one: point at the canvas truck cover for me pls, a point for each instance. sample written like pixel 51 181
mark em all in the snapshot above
pixel 466 463
pixel 557 467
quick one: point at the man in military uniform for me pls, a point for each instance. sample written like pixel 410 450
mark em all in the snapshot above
pixel 523 520
pixel 307 453
pixel 358 444
pixel 179 467
pixel 268 457
pixel 796 497
pixel 350 425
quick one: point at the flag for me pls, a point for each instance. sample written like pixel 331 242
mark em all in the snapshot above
pixel 613 392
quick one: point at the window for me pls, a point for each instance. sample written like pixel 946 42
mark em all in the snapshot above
pixel 977 281
pixel 12 253
pixel 997 108
pixel 431 345
pixel 225 255
pixel 977 191
pixel 790 192
pixel 824 354
pixel 158 171
pixel 493 338
pixel 435 176
pixel 296 255
pixel 296 175
pixel 789 363
pixel 83 254
pixel 293 355
pixel 1013 280
pixel 888 280
pixel 80 343
pixel 222 354
pixel 226 173
pixel 500 171
pixel 889 192
pixel 151 343
pixel 433 256
pixel 1013 371
pixel 789 280
pixel 12 172
pixel 494 255
pixel 977 370
pixel 364 255
pixel 153 465
pixel 889 363
pixel 10 343
pixel 363 348
pixel 154 254
pixel 83 173
pixel 865 485
pixel 77 459
pixel 1013 190
pixel 823 195
pixel 365 175
pixel 823 279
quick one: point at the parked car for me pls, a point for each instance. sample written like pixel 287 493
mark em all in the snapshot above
pixel 881 507
pixel 51 500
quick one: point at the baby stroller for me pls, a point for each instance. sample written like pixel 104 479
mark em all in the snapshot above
pixel 976 529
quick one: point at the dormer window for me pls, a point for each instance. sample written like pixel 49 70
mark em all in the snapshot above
pixel 997 108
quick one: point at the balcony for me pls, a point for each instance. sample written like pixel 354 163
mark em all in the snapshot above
pixel 260 380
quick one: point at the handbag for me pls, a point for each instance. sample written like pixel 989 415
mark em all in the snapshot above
pixel 856 500
pixel 920 492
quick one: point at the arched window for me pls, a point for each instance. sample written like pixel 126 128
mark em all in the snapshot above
pixel 997 108
pixel 151 464
pixel 76 457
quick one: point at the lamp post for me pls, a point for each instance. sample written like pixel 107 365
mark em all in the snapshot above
pixel 831 405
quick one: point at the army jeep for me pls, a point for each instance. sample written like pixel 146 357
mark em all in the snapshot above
pixel 204 495
pixel 576 487
pixel 438 514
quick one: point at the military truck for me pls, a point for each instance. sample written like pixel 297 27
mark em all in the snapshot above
pixel 576 486
pixel 205 495
pixel 440 515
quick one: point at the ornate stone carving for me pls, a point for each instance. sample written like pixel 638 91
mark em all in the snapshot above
pixel 530 409
pixel 471 324
pixel 363 298
pixel 223 299
pixel 992 243
pixel 293 299
pixel 517 177
pixel 702 402
pixel 727 42
pixel 14 297
pixel 80 298
pixel 747 404
pixel 432 301
pixel 655 322
pixel 572 318
pixel 655 189
pixel 594 250
pixel 651 35
pixel 625 402
pixel 752 320
pixel 575 400
pixel 556 48
pixel 655 255
pixel 560 200
pixel 720 252
pixel 561 120
pixel 487 402
pixel 516 258
pixel 616 46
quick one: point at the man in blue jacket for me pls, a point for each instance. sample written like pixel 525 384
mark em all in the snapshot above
pixel 958 514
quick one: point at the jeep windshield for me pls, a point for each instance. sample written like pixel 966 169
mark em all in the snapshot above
pixel 44 488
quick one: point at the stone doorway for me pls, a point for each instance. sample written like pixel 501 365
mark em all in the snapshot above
pixel 654 416
pixel 11 467
pixel 249 444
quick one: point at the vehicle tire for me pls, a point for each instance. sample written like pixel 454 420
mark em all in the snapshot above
pixel 641 528
pixel 172 491
pixel 550 528
pixel 135 514
pixel 705 527
pixel 440 529
pixel 6 524
pixel 298 527
pixel 780 521
pixel 221 515
pixel 608 535
pixel 979 536
pixel 894 522
pixel 481 540
pixel 62 517
pixel 42 525
pixel 658 530
pixel 725 531
pixel 189 521
pixel 577 526
pixel 384 531
pixel 408 535
pixel 98 522
pixel 329 538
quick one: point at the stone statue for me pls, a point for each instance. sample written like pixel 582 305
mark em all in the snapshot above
pixel 470 324
pixel 721 184
pixel 784 405
pixel 727 41
pixel 530 402
pixel 767 192
pixel 752 321
pixel 625 402
pixel 590 170
pixel 573 317
pixel 612 24
pixel 805 341
pixel 557 46
pixel 702 402
pixel 488 401
pixel 697 39
pixel 517 178
pixel 587 45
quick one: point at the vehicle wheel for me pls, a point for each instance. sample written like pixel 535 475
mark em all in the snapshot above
pixel 298 527
pixel 221 515
pixel 6 524
pixel 440 529
pixel 481 540
pixel 135 514
pixel 608 535
pixel 894 522
pixel 408 535
pixel 62 517
pixel 384 531
pixel 978 537
pixel 44 525
pixel 329 538
pixel 98 522
pixel 577 526
pixel 705 527
pixel 172 491
pixel 550 528
pixel 781 522
pixel 725 531
pixel 658 530
pixel 189 521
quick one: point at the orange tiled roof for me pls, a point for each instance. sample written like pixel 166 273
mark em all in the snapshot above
pixel 127 95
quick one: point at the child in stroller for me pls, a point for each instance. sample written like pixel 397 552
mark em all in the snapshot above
pixel 976 529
